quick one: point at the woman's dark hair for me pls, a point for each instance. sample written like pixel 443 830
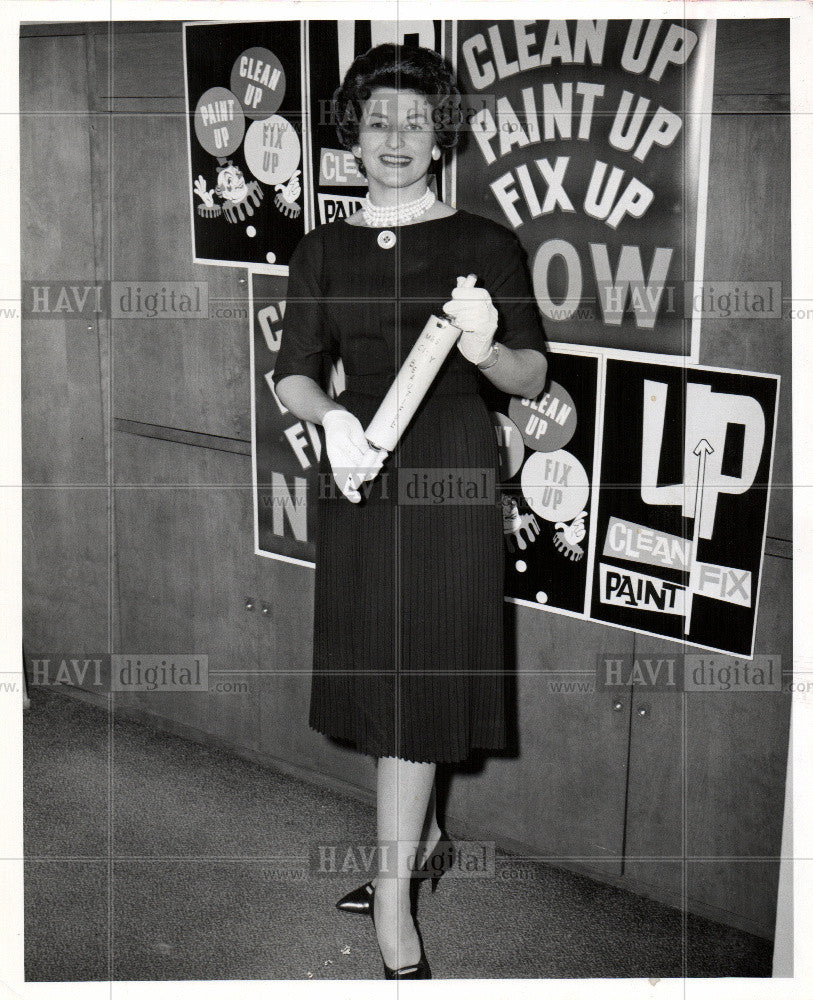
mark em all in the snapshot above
pixel 404 67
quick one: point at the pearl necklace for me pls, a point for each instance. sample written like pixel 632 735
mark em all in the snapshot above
pixel 396 215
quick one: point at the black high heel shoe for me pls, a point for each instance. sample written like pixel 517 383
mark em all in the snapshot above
pixel 419 971
pixel 357 901
pixel 439 861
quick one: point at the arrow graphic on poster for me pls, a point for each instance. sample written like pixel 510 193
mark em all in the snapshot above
pixel 702 449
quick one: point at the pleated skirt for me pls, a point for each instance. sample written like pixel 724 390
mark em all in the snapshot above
pixel 408 614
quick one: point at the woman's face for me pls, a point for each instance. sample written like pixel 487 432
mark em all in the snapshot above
pixel 396 138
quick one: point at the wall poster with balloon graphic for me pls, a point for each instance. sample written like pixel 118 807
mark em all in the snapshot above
pixel 247 144
pixel 547 455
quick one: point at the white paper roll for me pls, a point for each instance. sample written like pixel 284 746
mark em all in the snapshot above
pixel 412 383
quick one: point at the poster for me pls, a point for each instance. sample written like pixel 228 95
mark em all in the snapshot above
pixel 590 139
pixel 682 513
pixel 338 185
pixel 248 164
pixel 547 449
pixel 285 450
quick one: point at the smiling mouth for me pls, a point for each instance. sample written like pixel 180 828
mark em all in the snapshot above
pixel 396 161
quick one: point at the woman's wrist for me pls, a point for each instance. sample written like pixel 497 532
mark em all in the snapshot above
pixel 491 358
pixel 518 371
pixel 334 408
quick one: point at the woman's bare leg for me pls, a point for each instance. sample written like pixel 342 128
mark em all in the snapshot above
pixel 430 835
pixel 404 789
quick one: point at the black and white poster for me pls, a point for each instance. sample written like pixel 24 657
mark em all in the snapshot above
pixel 547 448
pixel 590 139
pixel 285 450
pixel 245 117
pixel 685 472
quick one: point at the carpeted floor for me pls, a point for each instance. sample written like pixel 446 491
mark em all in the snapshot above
pixel 167 860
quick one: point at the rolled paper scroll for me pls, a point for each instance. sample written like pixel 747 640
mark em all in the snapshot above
pixel 412 383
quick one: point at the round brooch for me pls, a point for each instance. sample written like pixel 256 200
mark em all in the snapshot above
pixel 386 239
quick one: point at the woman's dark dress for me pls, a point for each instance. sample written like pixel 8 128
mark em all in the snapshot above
pixel 408 635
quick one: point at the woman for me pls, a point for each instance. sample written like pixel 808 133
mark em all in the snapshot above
pixel 408 641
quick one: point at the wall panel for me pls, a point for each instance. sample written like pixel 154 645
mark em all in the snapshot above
pixel 183 576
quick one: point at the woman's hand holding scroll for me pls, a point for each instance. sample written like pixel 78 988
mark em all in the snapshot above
pixel 472 310
pixel 352 459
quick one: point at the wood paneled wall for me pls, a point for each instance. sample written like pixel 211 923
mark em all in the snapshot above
pixel 138 512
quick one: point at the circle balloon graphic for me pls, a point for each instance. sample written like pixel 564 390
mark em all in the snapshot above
pixel 555 485
pixel 258 79
pixel 219 121
pixel 272 150
pixel 509 443
pixel 548 422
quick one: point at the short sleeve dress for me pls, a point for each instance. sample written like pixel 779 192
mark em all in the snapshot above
pixel 408 657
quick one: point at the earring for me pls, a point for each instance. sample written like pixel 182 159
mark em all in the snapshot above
pixel 435 153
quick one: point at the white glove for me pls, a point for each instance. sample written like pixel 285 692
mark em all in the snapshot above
pixel 352 458
pixel 473 311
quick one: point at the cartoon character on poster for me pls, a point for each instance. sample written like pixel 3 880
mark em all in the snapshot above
pixel 271 146
pixel 554 484
pixel 239 199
